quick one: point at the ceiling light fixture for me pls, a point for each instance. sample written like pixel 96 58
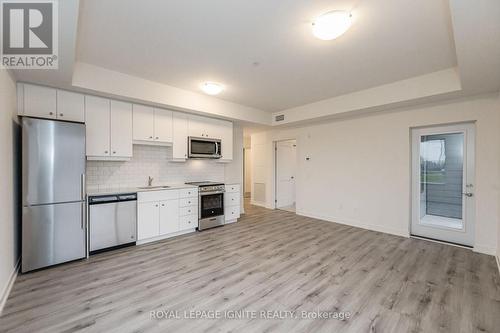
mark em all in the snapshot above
pixel 332 24
pixel 212 88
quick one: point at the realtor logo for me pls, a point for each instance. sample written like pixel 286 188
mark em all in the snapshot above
pixel 29 34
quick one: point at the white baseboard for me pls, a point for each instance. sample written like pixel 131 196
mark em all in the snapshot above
pixel 485 249
pixel 162 237
pixel 357 224
pixel 255 203
pixel 6 292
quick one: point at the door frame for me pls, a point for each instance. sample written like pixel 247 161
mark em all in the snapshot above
pixel 469 176
pixel 275 172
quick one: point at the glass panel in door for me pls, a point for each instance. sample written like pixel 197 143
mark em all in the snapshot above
pixel 441 180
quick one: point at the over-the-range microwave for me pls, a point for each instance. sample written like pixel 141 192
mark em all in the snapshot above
pixel 204 147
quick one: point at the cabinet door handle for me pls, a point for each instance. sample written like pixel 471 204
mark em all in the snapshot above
pixel 157 137
pixel 105 152
pixel 150 137
pixel 156 205
pixel 61 114
pixel 51 113
pixel 114 152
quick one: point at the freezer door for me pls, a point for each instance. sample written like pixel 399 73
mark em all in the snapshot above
pixel 52 234
pixel 53 161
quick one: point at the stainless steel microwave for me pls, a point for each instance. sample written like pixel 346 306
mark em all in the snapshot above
pixel 204 148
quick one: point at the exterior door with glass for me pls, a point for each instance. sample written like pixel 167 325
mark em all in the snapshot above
pixel 443 203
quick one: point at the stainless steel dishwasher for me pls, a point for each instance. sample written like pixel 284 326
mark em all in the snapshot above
pixel 112 221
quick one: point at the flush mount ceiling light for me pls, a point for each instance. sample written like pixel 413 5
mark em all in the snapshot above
pixel 332 24
pixel 212 88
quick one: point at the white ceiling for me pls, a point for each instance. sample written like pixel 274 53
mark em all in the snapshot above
pixel 182 43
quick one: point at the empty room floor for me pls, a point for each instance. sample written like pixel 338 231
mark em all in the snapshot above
pixel 269 261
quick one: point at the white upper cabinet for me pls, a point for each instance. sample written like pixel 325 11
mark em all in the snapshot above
pixel 97 119
pixel 203 127
pixel 121 129
pixel 180 134
pixel 40 101
pixel 109 129
pixel 50 103
pixel 70 106
pixel 152 126
pixel 198 127
pixel 163 125
pixel 143 121
pixel 226 130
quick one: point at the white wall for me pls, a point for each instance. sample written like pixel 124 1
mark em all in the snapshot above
pixel 359 168
pixel 9 182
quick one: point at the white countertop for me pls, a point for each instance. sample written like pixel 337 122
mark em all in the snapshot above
pixel 123 190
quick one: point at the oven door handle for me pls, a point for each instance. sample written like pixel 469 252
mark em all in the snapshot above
pixel 210 193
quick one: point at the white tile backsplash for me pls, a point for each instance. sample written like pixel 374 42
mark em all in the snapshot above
pixel 154 161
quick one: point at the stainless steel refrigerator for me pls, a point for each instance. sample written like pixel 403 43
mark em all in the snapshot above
pixel 53 227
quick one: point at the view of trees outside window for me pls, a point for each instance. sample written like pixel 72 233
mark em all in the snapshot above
pixel 432 160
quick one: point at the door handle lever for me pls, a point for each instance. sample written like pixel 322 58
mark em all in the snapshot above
pixel 468 194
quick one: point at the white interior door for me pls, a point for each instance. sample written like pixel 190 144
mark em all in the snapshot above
pixel 443 200
pixel 286 162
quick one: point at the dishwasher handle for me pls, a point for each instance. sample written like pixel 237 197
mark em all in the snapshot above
pixel 103 199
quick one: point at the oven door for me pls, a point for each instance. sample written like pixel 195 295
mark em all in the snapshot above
pixel 204 148
pixel 211 205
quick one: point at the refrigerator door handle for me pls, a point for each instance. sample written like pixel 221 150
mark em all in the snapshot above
pixel 83 217
pixel 82 186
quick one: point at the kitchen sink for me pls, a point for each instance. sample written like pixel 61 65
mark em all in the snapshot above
pixel 152 187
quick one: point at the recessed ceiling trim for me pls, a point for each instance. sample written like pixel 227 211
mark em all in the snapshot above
pixel 441 83
pixel 116 84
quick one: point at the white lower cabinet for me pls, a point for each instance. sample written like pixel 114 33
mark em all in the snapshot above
pixel 169 216
pixel 188 222
pixel 232 214
pixel 232 203
pixel 148 217
pixel 166 213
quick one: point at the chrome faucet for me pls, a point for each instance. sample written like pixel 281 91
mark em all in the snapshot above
pixel 150 181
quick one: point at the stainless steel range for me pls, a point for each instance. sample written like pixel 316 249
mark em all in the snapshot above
pixel 210 204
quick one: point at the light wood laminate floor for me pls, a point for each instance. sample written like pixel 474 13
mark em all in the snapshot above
pixel 272 261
